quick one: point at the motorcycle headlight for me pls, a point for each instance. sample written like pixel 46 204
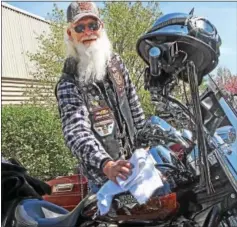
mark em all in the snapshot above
pixel 203 26
pixel 195 36
pixel 204 30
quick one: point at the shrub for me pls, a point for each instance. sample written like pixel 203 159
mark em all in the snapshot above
pixel 33 135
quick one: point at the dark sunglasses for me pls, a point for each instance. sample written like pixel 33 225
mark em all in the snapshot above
pixel 93 26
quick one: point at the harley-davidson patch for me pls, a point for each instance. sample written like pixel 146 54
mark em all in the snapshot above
pixel 119 80
pixel 116 76
pixel 102 114
pixel 104 128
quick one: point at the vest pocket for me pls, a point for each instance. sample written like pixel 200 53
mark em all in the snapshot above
pixel 112 147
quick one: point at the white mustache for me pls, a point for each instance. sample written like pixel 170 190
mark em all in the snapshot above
pixel 90 37
pixel 92 59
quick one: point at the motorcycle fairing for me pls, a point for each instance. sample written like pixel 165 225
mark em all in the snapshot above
pixel 227 159
pixel 212 113
pixel 218 112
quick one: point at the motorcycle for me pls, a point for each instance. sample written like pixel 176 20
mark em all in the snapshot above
pixel 202 179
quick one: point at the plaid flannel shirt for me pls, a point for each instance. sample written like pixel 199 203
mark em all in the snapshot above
pixel 77 130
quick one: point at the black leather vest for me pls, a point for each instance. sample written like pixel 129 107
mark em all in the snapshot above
pixel 108 106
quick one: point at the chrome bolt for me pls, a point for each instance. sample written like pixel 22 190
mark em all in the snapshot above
pixel 229 151
pixel 217 177
pixel 232 196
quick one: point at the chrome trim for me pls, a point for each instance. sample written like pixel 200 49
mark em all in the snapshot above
pixel 187 134
pixel 227 133
pixel 174 28
pixel 165 154
pixel 63 187
pixel 169 16
pixel 171 131
pixel 231 175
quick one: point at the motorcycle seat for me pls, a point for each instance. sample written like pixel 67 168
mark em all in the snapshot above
pixel 40 213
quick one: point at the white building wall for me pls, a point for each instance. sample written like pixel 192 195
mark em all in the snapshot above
pixel 19 32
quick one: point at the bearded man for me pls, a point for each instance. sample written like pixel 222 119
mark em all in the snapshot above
pixel 97 101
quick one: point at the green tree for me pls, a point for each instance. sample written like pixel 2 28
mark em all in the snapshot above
pixel 203 85
pixel 48 60
pixel 33 136
pixel 226 80
pixel 39 142
pixel 125 23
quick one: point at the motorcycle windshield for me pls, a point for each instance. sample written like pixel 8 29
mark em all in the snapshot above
pixel 228 158
pixel 219 112
pixel 231 156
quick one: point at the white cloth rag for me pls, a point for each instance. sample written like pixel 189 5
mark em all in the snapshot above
pixel 142 183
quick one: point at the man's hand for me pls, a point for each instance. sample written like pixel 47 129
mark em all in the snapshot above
pixel 120 168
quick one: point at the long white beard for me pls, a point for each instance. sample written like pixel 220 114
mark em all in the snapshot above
pixel 93 59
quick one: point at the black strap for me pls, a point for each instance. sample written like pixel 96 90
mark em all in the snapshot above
pixel 110 96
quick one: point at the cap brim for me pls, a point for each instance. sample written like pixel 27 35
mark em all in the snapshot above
pixel 82 15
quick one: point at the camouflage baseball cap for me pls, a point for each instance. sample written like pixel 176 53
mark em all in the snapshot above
pixel 78 10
